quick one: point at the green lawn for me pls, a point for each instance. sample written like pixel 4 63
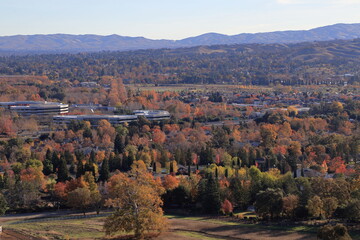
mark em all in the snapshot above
pixel 91 228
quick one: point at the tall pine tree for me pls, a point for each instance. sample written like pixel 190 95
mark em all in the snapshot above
pixel 48 167
pixel 104 171
pixel 55 161
pixel 119 144
pixel 211 201
pixel 63 173
pixel 80 169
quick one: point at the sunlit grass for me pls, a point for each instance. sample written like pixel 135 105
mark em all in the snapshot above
pixel 62 229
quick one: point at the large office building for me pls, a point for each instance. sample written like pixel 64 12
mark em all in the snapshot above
pixel 94 119
pixel 36 107
pixel 152 115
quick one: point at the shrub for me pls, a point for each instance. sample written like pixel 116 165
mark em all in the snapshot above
pixel 337 232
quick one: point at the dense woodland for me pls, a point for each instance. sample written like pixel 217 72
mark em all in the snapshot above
pixel 332 62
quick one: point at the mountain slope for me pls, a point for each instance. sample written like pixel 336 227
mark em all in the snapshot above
pixel 91 43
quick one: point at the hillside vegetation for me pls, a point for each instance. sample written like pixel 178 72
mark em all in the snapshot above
pixel 333 62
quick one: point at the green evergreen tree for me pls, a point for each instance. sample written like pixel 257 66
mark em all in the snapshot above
pixel 63 173
pixel 92 158
pixel 48 154
pixel 118 144
pixel 171 167
pixel 89 167
pixel 126 166
pixel 80 169
pixel 48 166
pixel 244 156
pixel 68 157
pixel 55 160
pixel 72 168
pixel 239 196
pixel 154 167
pixel 211 202
pixel 104 171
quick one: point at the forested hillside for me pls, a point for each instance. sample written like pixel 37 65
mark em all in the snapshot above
pixel 333 62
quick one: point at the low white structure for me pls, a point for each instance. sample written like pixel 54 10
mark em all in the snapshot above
pixel 153 114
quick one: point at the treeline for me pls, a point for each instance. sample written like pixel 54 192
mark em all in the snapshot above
pixel 257 64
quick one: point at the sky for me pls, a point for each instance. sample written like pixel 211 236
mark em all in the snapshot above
pixel 171 19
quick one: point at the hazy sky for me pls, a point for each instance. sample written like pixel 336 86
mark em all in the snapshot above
pixel 170 19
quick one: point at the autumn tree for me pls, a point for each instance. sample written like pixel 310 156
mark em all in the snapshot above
pixel 315 206
pixel 79 198
pixel 170 182
pixel 268 135
pixel 137 202
pixel 290 203
pixel 330 204
pixel 227 207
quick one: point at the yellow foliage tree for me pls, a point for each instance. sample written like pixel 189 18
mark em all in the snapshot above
pixel 137 202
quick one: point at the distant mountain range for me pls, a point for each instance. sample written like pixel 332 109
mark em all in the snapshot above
pixel 60 43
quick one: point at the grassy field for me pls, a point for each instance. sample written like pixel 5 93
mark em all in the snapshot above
pixel 227 222
pixel 91 227
pixel 181 227
pixel 87 228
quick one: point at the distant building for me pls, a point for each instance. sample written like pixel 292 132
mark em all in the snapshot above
pixel 36 107
pixel 89 84
pixel 113 119
pixel 94 119
pixel 153 114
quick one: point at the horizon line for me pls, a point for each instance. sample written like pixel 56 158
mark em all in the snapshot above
pixel 115 34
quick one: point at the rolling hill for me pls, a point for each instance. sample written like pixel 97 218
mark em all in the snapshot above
pixel 65 43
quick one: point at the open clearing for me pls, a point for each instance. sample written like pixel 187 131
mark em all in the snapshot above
pixel 76 227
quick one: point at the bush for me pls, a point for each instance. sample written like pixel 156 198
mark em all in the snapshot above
pixel 337 232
